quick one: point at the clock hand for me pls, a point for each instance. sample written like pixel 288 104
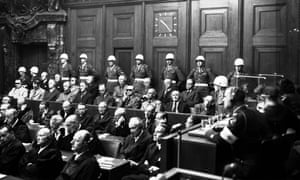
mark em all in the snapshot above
pixel 163 22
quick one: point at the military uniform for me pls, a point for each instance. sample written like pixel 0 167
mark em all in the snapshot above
pixel 84 70
pixel 245 131
pixel 174 73
pixel 65 71
pixel 137 75
pixel 112 74
pixel 202 77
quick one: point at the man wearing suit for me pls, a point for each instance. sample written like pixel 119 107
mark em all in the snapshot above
pixel 66 110
pixel 104 96
pixel 176 105
pixel 83 96
pixel 150 162
pixel 136 143
pixel 70 126
pixel 36 93
pixel 11 151
pixel 102 119
pixel 43 161
pixel 19 127
pixel 82 165
pixel 165 95
pixel 85 119
pixel 53 93
pixel 190 96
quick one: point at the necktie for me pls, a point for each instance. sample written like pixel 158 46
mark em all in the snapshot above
pixel 174 106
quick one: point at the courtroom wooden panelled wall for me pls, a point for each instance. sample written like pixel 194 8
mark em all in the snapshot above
pixel 263 32
pixel 221 30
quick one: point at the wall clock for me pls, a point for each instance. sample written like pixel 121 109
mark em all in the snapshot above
pixel 165 24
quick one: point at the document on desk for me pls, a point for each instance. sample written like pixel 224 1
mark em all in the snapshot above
pixel 2 176
pixel 106 162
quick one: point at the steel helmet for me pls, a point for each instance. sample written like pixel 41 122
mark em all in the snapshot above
pixel 170 56
pixel 139 57
pixel 200 58
pixel 221 81
pixel 64 56
pixel 83 56
pixel 239 62
pixel 34 69
pixel 111 58
pixel 22 69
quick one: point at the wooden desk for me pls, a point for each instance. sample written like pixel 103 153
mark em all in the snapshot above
pixel 112 168
pixel 198 154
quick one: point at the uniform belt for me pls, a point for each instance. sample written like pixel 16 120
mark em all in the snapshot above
pixel 83 77
pixel 139 79
pixel 65 79
pixel 112 80
pixel 201 84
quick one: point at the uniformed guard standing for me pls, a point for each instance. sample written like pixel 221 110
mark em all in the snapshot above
pixel 139 72
pixel 65 68
pixel 238 70
pixel 202 76
pixel 85 68
pixel 172 71
pixel 112 73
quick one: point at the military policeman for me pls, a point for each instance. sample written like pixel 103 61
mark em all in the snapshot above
pixel 139 72
pixel 201 75
pixel 233 78
pixel 65 68
pixel 85 68
pixel 172 71
pixel 112 73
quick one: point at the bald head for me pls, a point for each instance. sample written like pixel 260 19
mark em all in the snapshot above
pixel 81 140
pixel 71 123
pixel 43 137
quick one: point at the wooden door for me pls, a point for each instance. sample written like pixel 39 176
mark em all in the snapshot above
pixel 85 30
pixel 215 33
pixel 165 33
pixel 265 43
pixel 124 34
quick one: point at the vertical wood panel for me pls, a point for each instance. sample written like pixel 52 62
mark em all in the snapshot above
pixel 123 34
pixel 215 33
pixel 86 36
pixel 165 32
pixel 265 36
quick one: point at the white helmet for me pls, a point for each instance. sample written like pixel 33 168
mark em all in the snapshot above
pixel 200 58
pixel 239 62
pixel 170 56
pixel 221 81
pixel 139 57
pixel 83 56
pixel 34 69
pixel 64 56
pixel 111 58
pixel 22 69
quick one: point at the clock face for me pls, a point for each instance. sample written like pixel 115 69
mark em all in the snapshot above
pixel 165 24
